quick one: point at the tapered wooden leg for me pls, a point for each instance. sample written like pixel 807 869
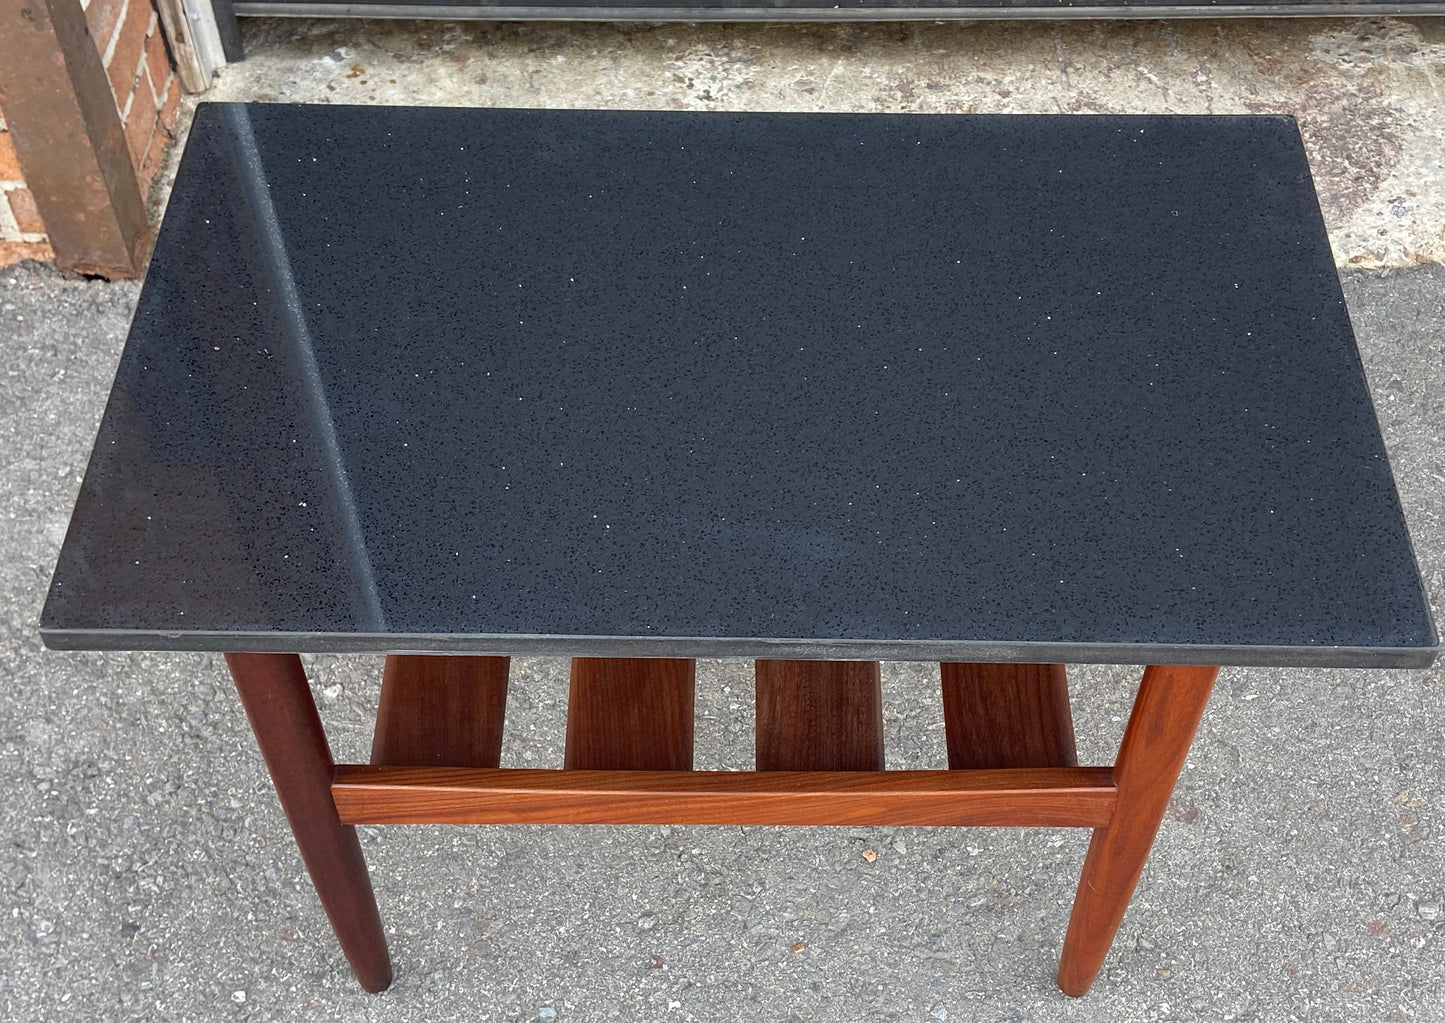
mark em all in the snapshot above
pixel 441 711
pixel 278 703
pixel 819 716
pixel 1166 714
pixel 630 714
pixel 1007 715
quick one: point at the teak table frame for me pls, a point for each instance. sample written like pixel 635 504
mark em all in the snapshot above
pixel 628 760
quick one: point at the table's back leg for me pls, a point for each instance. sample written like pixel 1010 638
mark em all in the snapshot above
pixel 819 716
pixel 283 715
pixel 1007 715
pixel 630 714
pixel 1166 714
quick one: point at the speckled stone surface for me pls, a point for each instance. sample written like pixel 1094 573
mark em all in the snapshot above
pixel 1065 388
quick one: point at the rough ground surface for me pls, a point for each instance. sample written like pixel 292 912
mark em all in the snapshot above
pixel 146 872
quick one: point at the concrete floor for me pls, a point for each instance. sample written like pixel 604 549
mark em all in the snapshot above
pixel 146 872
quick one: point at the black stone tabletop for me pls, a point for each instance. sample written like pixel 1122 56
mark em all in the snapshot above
pixel 1066 388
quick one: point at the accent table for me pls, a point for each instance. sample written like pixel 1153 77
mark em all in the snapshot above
pixel 1000 392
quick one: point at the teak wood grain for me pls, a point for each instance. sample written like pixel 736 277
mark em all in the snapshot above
pixel 1156 742
pixel 1055 797
pixel 819 716
pixel 1007 715
pixel 630 714
pixel 278 703
pixel 441 711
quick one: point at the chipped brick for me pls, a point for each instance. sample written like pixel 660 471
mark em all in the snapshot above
pixel 172 107
pixel 101 17
pixel 9 162
pixel 27 217
pixel 130 45
pixel 14 252
pixel 158 65
pixel 155 158
pixel 138 129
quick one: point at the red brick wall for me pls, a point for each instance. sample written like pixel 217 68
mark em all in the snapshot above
pixel 147 95
pixel 22 235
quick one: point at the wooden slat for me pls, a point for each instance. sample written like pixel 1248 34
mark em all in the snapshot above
pixel 630 714
pixel 819 716
pixel 1007 715
pixel 1054 797
pixel 441 711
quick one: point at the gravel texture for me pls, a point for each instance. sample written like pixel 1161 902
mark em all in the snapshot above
pixel 146 872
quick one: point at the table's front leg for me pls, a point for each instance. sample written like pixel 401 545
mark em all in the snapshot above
pixel 283 715
pixel 1166 714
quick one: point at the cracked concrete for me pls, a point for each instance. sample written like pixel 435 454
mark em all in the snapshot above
pixel 1368 93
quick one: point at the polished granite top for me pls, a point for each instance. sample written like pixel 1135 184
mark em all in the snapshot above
pixel 1064 388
